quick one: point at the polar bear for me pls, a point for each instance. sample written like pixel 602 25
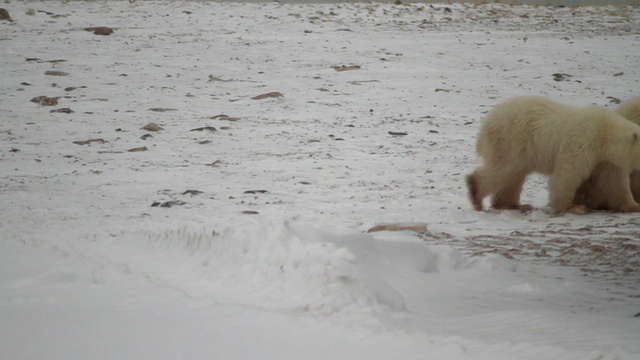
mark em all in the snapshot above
pixel 602 190
pixel 533 134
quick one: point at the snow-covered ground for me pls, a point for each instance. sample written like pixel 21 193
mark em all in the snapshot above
pixel 250 241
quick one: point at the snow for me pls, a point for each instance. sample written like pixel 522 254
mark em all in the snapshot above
pixel 250 242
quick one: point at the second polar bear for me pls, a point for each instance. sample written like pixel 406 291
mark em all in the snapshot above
pixel 602 191
pixel 533 134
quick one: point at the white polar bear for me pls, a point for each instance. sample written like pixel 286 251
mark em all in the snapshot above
pixel 602 190
pixel 534 134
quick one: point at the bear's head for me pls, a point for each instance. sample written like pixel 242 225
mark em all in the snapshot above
pixel 623 143
pixel 630 110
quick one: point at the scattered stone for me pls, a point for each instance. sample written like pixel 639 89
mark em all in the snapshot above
pixel 146 136
pixel 561 77
pixel 208 128
pixel 71 88
pixel 152 127
pixel 215 78
pixel 4 15
pixel 162 109
pixel 25 84
pixel 273 94
pixel 224 117
pixel 619 74
pixel 614 100
pixel 138 149
pixel 250 212
pixel 192 192
pixel 168 204
pixel 56 73
pixel 415 227
pixel 256 192
pixel 45 100
pixel 397 133
pixel 100 30
pixel 87 142
pixel 443 90
pixel 62 110
pixel 14 150
pixel 346 68
pixel 217 163
pixel 204 142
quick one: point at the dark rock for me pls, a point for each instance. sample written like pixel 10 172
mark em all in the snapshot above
pixel 273 94
pixel 4 15
pixel 100 30
pixel 45 100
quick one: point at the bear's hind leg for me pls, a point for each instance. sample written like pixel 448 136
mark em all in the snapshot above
pixel 508 197
pixel 487 180
pixel 475 195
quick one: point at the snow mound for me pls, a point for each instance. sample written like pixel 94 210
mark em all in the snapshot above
pixel 283 267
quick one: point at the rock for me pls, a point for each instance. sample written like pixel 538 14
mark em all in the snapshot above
pixel 62 110
pixel 224 117
pixel 561 77
pixel 415 227
pixel 397 133
pixel 162 109
pixel 152 127
pixel 4 15
pixel 168 204
pixel 45 100
pixel 273 94
pixel 208 128
pixel 86 142
pixel 217 163
pixel 250 212
pixel 138 149
pixel 56 73
pixel 192 192
pixel 346 68
pixel 100 30
pixel 256 192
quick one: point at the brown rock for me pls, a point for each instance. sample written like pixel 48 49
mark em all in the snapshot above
pixel 273 94
pixel 4 15
pixel 415 227
pixel 138 149
pixel 346 68
pixel 152 127
pixel 45 100
pixel 100 30
pixel 86 142
pixel 56 73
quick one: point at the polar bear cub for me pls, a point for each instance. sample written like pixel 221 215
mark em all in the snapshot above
pixel 602 191
pixel 533 134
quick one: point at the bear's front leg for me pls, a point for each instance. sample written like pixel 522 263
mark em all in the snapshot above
pixel 562 190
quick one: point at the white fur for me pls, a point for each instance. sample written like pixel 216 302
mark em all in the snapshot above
pixel 534 134
pixel 603 190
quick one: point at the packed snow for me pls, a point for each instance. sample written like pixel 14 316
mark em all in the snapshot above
pixel 239 229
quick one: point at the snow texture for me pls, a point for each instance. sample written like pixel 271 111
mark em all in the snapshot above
pixel 238 229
